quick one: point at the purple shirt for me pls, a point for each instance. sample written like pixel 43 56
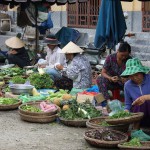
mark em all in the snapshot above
pixel 112 67
pixel 132 91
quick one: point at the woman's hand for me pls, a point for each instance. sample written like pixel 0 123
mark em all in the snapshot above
pixel 140 100
pixel 59 67
pixel 12 52
pixel 42 66
pixel 114 79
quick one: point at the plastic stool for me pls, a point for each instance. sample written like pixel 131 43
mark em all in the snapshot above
pixel 116 95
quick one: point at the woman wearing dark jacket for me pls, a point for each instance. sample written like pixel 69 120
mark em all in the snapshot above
pixel 18 54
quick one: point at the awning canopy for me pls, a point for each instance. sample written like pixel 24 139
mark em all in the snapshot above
pixel 133 0
pixel 60 2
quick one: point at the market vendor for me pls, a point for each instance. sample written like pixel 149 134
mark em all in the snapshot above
pixel 78 67
pixel 53 58
pixel 137 89
pixel 17 54
pixel 113 67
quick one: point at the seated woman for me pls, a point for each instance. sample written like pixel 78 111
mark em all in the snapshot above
pixel 137 88
pixel 17 54
pixel 113 67
pixel 78 69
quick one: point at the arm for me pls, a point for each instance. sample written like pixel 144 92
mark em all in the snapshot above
pixel 60 61
pixel 104 73
pixel 140 100
pixel 128 99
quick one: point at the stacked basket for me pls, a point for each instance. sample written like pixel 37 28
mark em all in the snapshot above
pixel 37 117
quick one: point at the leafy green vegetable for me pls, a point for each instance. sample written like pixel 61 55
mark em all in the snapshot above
pixel 7 101
pixel 31 108
pixel 120 114
pixel 104 123
pixel 10 72
pixel 18 80
pixel 135 142
pixel 80 111
pixel 43 81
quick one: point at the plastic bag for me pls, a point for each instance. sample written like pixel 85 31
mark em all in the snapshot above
pixel 141 135
pixel 74 91
pixel 115 106
pixel 27 98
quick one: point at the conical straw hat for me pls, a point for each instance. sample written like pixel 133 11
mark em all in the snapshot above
pixel 14 42
pixel 72 48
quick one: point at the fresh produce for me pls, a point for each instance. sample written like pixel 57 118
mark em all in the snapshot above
pixel 66 97
pixel 104 135
pixel 10 72
pixel 120 114
pixel 135 142
pixel 6 89
pixel 7 101
pixel 47 107
pixel 31 108
pixel 79 111
pixel 104 123
pixel 65 107
pixel 35 92
pixel 18 80
pixel 41 81
pixel 52 96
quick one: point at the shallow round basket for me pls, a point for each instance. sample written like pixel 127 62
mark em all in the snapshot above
pixel 145 146
pixel 93 124
pixel 103 143
pixel 36 104
pixel 10 107
pixel 38 119
pixel 73 123
pixel 136 117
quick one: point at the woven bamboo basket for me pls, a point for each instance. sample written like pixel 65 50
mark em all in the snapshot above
pixel 93 124
pixel 38 119
pixel 73 123
pixel 37 104
pixel 10 107
pixel 145 146
pixel 103 143
pixel 136 117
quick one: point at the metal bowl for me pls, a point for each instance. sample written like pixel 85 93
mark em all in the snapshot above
pixel 21 89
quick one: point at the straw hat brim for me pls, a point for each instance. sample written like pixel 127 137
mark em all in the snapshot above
pixel 51 42
pixel 71 48
pixel 14 42
pixel 133 70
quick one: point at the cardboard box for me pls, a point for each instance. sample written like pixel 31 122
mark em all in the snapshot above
pixel 83 97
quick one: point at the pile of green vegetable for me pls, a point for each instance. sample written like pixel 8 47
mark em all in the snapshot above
pixel 80 111
pixel 18 80
pixel 10 72
pixel 135 142
pixel 31 108
pixel 43 81
pixel 120 114
pixel 7 101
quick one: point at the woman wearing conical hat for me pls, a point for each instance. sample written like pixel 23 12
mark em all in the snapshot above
pixel 78 69
pixel 17 54
pixel 137 89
